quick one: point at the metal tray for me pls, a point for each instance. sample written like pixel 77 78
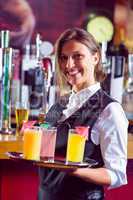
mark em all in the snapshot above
pixel 58 163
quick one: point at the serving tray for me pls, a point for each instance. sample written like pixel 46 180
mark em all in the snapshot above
pixel 58 163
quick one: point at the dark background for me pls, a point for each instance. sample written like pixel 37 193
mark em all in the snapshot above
pixel 54 16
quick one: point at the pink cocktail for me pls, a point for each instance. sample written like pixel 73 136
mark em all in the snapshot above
pixel 48 144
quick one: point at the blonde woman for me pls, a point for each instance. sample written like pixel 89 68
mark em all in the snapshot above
pixel 86 104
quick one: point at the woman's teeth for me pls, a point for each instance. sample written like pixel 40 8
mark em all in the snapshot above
pixel 73 72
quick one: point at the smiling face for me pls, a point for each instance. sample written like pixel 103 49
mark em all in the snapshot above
pixel 78 64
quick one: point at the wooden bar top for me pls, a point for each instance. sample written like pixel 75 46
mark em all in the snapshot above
pixel 13 143
pixel 9 143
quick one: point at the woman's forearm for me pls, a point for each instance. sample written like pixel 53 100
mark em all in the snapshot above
pixel 97 176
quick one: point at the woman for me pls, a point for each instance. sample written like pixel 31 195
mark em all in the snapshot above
pixel 79 66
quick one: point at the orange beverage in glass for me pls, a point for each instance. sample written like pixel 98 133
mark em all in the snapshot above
pixel 32 143
pixel 75 147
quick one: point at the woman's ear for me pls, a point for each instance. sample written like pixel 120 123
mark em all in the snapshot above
pixel 95 58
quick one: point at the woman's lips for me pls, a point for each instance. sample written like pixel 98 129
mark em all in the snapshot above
pixel 73 72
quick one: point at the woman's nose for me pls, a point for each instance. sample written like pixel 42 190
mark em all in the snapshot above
pixel 70 62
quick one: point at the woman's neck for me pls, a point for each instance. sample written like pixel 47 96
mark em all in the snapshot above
pixel 77 88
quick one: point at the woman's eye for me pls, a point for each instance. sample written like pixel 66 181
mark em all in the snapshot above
pixel 77 56
pixel 63 58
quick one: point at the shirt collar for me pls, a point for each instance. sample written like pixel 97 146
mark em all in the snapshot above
pixel 76 100
pixel 85 93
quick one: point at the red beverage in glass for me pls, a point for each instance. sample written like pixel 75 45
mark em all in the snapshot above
pixel 48 144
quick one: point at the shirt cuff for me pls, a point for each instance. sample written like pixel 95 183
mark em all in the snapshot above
pixel 114 179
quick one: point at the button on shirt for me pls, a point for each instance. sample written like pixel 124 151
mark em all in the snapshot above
pixel 110 131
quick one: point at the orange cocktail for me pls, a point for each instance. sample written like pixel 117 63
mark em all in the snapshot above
pixel 75 147
pixel 32 143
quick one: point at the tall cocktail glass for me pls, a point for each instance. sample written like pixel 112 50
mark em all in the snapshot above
pixel 32 143
pixel 75 147
pixel 48 144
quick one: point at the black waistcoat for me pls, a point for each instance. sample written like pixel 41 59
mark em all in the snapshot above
pixel 53 180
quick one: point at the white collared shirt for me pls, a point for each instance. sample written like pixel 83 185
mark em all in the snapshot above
pixel 76 100
pixel 110 131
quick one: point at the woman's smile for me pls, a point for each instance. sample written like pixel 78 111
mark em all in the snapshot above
pixel 73 71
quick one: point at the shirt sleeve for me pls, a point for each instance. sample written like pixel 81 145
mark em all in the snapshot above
pixel 110 131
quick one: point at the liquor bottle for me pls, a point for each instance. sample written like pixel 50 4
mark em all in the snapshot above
pixel 128 92
pixel 5 84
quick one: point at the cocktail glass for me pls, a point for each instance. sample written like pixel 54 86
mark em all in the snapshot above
pixel 48 144
pixel 32 143
pixel 75 147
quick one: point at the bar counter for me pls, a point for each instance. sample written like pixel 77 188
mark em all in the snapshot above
pixel 19 180
pixel 13 143
pixel 9 143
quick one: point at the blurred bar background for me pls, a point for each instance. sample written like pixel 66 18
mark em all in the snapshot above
pixel 27 71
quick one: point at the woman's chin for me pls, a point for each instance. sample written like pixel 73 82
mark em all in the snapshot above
pixel 76 79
